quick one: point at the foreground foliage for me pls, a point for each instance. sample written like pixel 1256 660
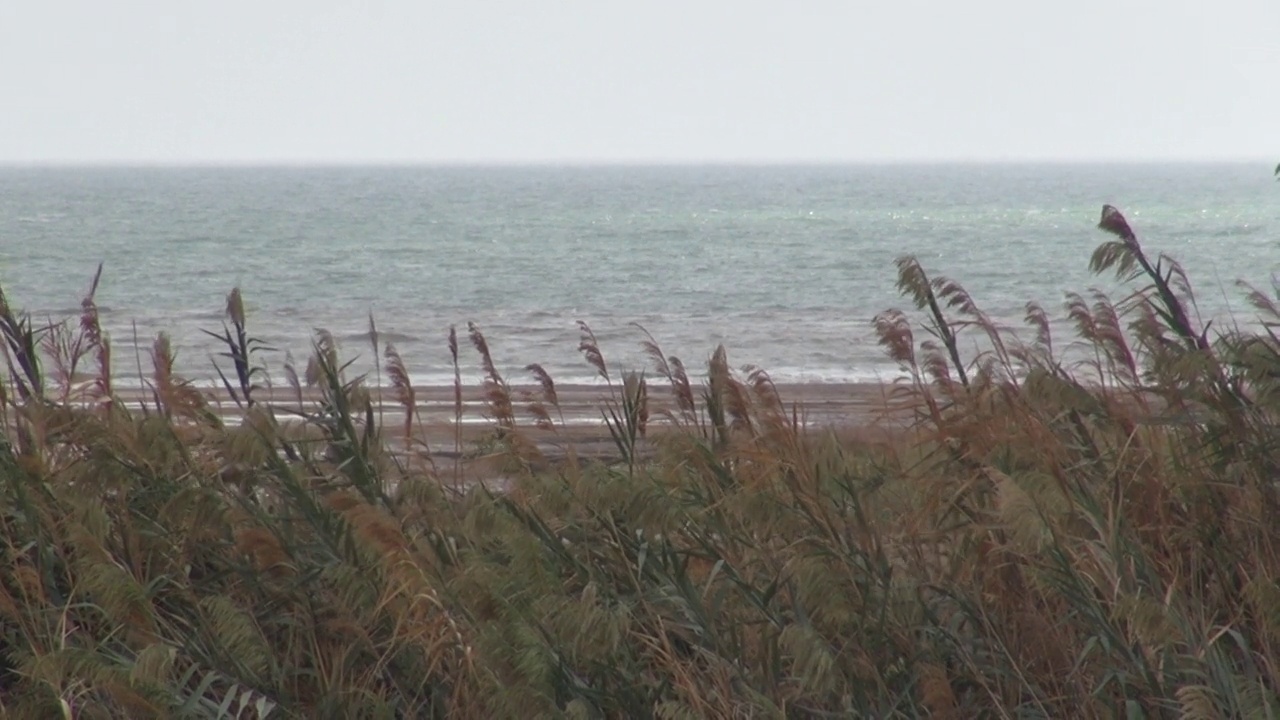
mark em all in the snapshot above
pixel 1042 539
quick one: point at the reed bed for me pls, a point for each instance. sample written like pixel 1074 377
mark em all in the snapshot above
pixel 1043 539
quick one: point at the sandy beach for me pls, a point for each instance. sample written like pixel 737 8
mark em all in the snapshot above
pixel 821 403
pixel 860 409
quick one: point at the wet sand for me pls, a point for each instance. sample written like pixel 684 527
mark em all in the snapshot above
pixel 857 410
pixel 820 404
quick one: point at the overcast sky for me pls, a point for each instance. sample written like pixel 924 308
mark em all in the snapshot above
pixel 655 81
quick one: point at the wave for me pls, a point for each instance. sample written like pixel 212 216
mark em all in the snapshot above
pixel 384 336
pixel 41 218
pixel 69 311
pixel 125 375
pixel 1237 231
pixel 205 315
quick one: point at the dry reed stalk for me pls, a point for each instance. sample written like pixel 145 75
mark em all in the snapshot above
pixel 1086 325
pixel 776 426
pixel 291 378
pixel 1112 338
pixel 239 354
pixel 548 396
pixel 264 550
pixel 637 391
pixel 377 369
pixel 4 408
pixel 730 391
pixel 92 330
pixel 936 693
pixel 1038 319
pixel 1038 355
pixel 673 370
pixel 410 600
pixel 682 388
pixel 162 374
pixel 654 352
pixel 66 350
pixel 497 393
pixel 326 355
pixel 894 334
pixel 1262 302
pixel 913 281
pixel 174 397
pixel 21 355
pixel 57 348
pixel 457 407
pixel 1127 256
pixel 684 678
pixel 590 349
pixel 143 383
pixel 403 389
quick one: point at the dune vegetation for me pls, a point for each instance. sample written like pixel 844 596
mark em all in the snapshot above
pixel 1041 538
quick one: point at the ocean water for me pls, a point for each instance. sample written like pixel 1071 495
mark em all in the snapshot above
pixel 786 266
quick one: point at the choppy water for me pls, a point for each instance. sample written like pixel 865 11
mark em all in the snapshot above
pixel 786 266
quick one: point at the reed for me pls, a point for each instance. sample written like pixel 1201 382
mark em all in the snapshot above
pixel 1039 539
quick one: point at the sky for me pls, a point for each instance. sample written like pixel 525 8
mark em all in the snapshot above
pixel 566 81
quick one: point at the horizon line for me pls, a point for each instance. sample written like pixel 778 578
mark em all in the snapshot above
pixel 286 163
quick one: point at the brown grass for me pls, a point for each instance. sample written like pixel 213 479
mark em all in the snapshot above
pixel 1040 540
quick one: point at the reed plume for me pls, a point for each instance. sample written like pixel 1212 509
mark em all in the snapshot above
pixel 1050 542
pixel 549 397
pixel 404 392
pixel 673 370
pixel 457 403
pixel 98 340
pixel 242 350
pixel 497 392
pixel 590 349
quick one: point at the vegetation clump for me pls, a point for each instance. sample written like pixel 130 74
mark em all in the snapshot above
pixel 1038 539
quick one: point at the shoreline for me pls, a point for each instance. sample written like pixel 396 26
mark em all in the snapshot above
pixel 844 401
pixel 855 411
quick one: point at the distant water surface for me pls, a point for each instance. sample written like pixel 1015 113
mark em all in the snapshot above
pixel 784 265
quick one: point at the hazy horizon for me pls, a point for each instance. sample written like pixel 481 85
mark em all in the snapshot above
pixel 576 83
pixel 1267 163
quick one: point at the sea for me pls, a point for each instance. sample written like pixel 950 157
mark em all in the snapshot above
pixel 785 266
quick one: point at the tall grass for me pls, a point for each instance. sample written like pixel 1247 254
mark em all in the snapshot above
pixel 1043 539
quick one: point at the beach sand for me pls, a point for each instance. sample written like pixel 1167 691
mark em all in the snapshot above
pixel 854 410
pixel 581 405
